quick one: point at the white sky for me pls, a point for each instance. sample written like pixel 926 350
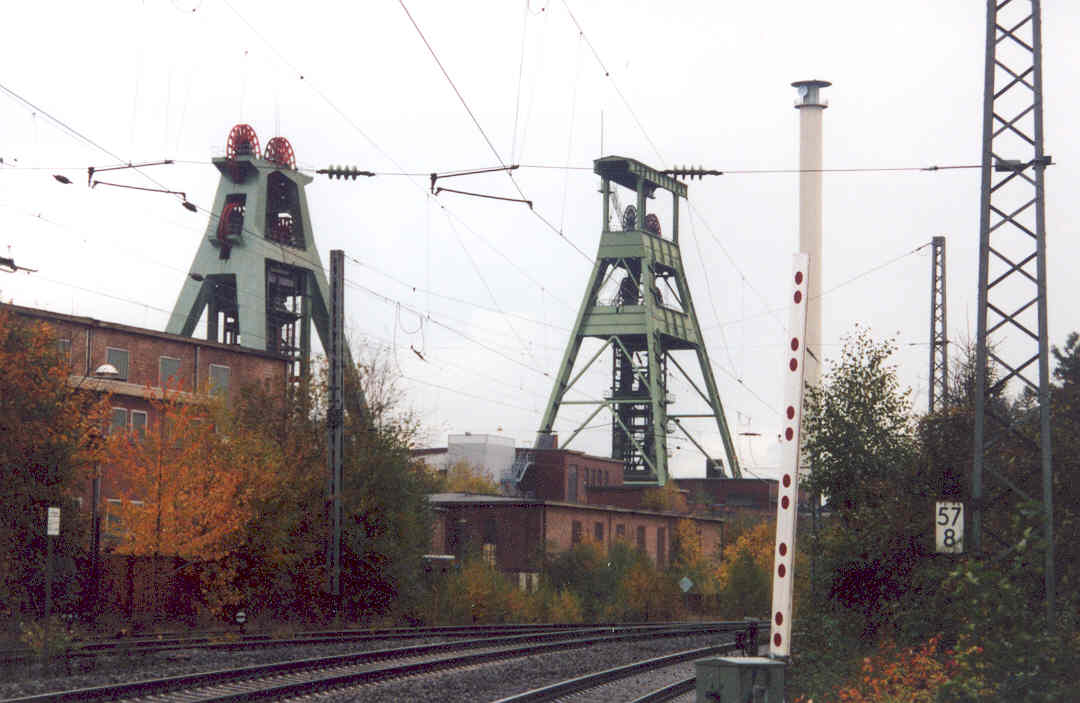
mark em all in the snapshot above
pixel 708 81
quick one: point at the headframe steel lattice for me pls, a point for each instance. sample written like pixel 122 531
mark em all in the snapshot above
pixel 642 329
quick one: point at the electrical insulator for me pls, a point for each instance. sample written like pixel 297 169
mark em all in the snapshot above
pixel 348 172
pixel 691 172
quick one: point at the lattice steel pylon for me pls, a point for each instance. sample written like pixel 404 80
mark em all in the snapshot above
pixel 1012 318
pixel 939 332
pixel 641 329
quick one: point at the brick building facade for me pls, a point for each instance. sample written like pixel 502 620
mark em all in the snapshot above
pixel 515 534
pixel 148 362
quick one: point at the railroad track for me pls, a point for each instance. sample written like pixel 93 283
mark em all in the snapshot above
pixel 230 641
pixel 306 676
pixel 636 682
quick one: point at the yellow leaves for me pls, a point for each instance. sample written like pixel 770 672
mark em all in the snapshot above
pixel 463 477
pixel 665 497
pixel 757 543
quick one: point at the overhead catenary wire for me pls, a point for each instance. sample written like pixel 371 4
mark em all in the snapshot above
pixel 428 291
pixel 614 84
pixel 483 133
pixel 822 294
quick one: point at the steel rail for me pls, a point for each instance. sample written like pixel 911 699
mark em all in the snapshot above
pixel 146 644
pixel 508 647
pixel 589 681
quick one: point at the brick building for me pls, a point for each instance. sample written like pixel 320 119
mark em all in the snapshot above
pixel 149 361
pixel 567 497
pixel 514 533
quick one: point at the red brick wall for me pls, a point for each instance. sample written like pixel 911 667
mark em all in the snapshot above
pixel 517 532
pixel 145 347
pixel 525 530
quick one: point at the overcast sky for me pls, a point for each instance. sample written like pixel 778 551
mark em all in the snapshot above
pixel 496 288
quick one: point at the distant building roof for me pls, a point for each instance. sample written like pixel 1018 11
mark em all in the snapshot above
pixel 482 499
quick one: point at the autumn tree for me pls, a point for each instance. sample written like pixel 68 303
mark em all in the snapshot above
pixel 387 520
pixel 47 454
pixel 188 485
pixel 743 576
pixel 183 495
pixel 463 477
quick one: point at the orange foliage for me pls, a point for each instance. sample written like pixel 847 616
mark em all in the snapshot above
pixel 892 675
pixel 47 453
pixel 185 489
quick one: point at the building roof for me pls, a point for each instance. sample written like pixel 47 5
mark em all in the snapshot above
pixel 49 315
pixel 443 499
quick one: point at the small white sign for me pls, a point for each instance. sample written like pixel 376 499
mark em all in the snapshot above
pixel 949 527
pixel 52 525
pixel 685 584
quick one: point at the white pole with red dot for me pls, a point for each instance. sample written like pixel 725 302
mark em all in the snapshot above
pixel 787 498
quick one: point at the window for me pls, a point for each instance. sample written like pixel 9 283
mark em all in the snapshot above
pixel 620 531
pixel 64 347
pixel 598 531
pixel 575 533
pixel 168 368
pixel 219 379
pixel 118 421
pixel 118 358
pixel 641 538
pixel 138 424
pixel 571 484
pixel 661 546
pixel 489 554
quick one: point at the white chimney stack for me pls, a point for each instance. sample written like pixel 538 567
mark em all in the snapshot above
pixel 811 105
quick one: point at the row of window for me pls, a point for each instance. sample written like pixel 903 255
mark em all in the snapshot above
pixel 596 477
pixel 168 367
pixel 577 533
pixel 593 477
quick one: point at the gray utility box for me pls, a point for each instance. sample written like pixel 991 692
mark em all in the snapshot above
pixel 739 680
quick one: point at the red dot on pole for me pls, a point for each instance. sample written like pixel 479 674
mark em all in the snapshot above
pixel 793 364
pixel 783 549
pixel 779 618
pixel 787 480
pixel 790 413
pixel 798 278
pixel 794 344
pixel 781 571
pixel 785 502
pixel 798 296
pixel 789 434
pixel 776 639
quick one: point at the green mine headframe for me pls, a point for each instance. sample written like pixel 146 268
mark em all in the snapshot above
pixel 626 309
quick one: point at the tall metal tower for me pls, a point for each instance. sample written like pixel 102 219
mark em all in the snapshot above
pixel 626 308
pixel 1012 323
pixel 257 272
pixel 939 332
